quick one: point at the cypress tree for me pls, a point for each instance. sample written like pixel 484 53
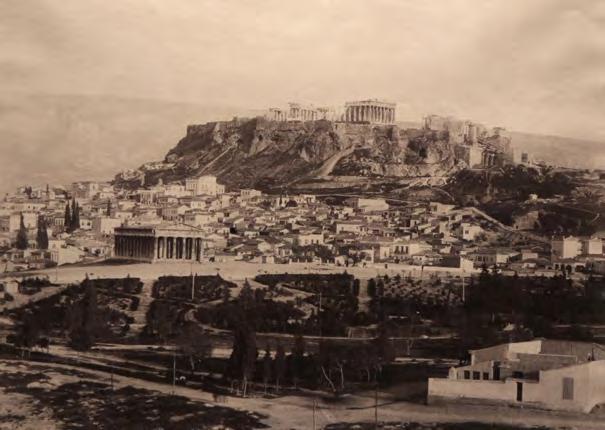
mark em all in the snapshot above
pixel 108 211
pixel 42 234
pixel 22 235
pixel 77 224
pixel 75 215
pixel 74 211
pixel 67 222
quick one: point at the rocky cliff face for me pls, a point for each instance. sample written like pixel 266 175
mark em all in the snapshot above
pixel 262 153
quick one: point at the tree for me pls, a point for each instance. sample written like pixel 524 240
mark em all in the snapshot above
pixel 67 220
pixel 332 359
pixel 22 235
pixel 225 293
pixel 75 215
pixel 267 365
pixel 84 322
pixel 26 335
pixel 371 287
pixel 108 210
pixel 42 234
pixel 194 345
pixel 242 361
pixel 280 365
pixel 384 351
pixel 159 321
pixel 298 359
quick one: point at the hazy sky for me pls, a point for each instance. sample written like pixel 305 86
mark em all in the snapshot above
pixel 534 65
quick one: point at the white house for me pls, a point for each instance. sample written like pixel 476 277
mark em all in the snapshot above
pixel 205 184
pixel 566 247
pixel 549 374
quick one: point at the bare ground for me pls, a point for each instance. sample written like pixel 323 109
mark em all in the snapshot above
pixel 63 396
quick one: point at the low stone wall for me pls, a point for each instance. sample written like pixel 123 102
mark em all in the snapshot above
pixel 481 391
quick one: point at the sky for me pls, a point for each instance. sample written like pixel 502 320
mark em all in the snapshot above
pixel 536 66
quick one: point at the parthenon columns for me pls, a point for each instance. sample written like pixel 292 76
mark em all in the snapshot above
pixel 370 113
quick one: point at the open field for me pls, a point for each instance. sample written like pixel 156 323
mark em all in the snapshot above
pixel 238 270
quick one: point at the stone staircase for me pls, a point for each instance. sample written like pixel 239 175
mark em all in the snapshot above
pixel 140 314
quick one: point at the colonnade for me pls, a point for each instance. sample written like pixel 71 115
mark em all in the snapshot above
pixel 158 248
pixel 370 113
pixel 278 114
pixel 179 248
pixel 303 114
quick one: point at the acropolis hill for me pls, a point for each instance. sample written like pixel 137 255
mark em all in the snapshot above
pixel 303 143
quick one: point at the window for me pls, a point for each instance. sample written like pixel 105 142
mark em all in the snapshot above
pixel 467 374
pixel 477 375
pixel 486 375
pixel 567 388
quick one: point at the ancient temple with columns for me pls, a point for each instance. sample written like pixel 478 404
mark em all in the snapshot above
pixel 370 111
pixel 159 243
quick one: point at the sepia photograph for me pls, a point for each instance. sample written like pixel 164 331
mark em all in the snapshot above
pixel 302 214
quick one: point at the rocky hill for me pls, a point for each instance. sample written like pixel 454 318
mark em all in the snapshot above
pixel 270 154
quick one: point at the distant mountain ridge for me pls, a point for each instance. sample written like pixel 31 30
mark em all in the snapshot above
pixel 562 151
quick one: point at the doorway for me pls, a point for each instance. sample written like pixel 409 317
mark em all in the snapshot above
pixel 519 391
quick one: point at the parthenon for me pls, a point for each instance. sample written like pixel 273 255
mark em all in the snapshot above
pixel 164 242
pixel 370 111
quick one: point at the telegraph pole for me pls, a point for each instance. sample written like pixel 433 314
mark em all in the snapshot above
pixel 319 314
pixel 192 285
pixel 173 371
pixel 376 406
pixel 314 407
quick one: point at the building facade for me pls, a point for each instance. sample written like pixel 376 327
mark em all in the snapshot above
pixel 159 243
pixel 204 185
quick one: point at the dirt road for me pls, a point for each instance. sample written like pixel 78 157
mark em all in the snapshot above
pixel 296 412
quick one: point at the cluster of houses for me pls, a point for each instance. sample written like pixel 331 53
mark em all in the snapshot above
pixel 199 219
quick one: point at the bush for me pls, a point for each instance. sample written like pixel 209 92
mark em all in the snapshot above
pixel 134 304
